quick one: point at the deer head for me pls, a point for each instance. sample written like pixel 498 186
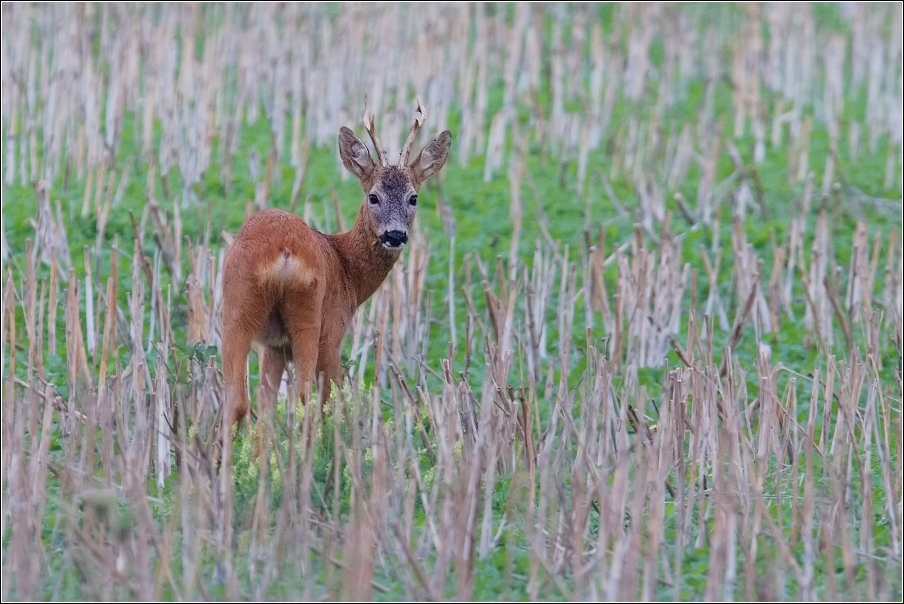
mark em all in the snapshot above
pixel 391 191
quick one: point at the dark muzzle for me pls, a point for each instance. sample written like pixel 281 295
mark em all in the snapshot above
pixel 393 240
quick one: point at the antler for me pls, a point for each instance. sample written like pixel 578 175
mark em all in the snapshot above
pixel 369 126
pixel 418 122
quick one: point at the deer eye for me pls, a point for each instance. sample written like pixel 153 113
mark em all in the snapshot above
pixel 373 199
pixel 413 200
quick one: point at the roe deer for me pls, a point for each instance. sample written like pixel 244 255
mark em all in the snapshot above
pixel 294 290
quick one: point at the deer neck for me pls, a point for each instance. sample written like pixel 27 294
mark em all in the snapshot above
pixel 365 261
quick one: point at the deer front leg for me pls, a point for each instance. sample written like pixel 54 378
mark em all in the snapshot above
pixel 303 325
pixel 329 364
pixel 273 364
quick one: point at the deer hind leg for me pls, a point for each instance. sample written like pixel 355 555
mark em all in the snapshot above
pixel 236 346
pixel 240 324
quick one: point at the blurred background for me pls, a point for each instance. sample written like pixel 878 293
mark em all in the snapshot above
pixel 648 91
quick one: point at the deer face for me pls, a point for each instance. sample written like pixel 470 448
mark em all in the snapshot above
pixel 391 191
pixel 392 202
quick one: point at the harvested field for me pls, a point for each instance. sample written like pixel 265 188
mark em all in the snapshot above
pixel 646 342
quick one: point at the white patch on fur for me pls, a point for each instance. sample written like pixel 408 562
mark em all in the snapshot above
pixel 288 270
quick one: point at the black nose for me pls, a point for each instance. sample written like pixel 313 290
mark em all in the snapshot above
pixel 393 239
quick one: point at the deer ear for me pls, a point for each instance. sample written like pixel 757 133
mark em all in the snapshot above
pixel 355 156
pixel 431 158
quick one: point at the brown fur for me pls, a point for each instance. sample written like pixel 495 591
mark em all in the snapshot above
pixel 294 290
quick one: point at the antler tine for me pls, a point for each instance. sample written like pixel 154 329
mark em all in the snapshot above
pixel 418 122
pixel 369 126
